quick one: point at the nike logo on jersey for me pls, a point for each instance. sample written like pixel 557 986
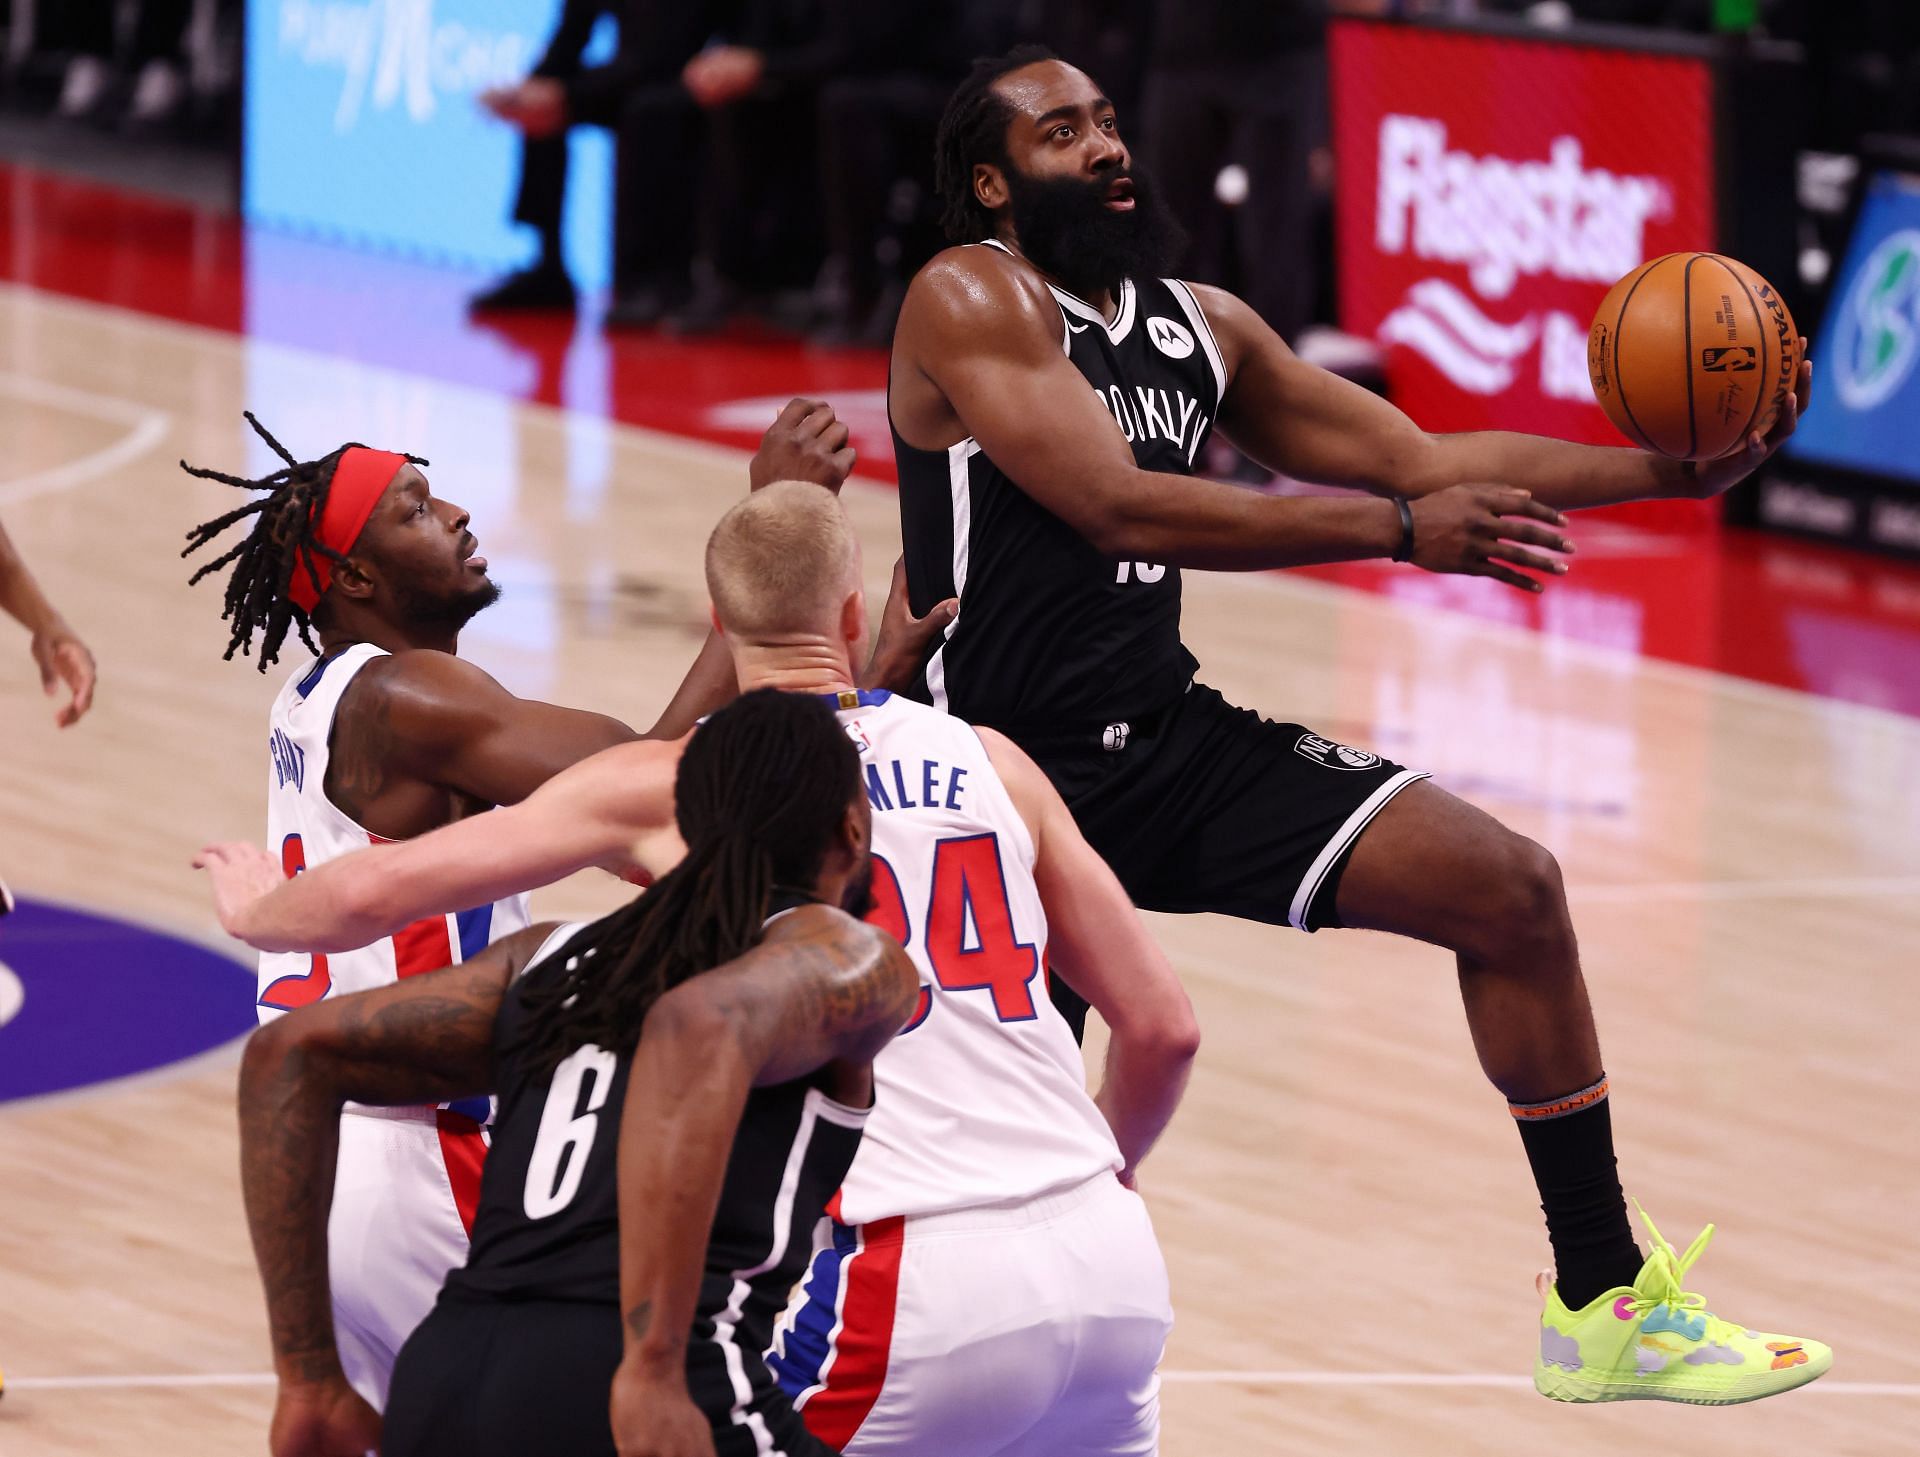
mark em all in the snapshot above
pixel 1146 413
pixel 1073 328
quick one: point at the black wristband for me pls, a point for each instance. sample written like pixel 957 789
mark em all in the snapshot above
pixel 1404 552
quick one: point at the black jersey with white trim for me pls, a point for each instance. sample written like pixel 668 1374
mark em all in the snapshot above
pixel 1051 633
pixel 548 1223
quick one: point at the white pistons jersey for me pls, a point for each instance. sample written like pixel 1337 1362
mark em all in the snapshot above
pixel 982 1098
pixel 305 828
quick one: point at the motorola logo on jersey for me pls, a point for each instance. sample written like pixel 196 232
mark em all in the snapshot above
pixel 1171 339
pixel 1334 756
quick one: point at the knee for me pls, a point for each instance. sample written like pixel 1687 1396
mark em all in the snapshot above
pixel 1524 910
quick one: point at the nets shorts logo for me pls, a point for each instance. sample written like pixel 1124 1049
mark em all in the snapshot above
pixel 1332 755
pixel 1171 339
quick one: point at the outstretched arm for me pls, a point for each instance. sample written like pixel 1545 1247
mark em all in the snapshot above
pixel 614 810
pixel 979 342
pixel 1315 426
pixel 57 652
pixel 426 1039
pixel 821 987
pixel 1097 941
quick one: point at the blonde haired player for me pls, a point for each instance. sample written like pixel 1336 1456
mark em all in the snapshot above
pixel 982 1240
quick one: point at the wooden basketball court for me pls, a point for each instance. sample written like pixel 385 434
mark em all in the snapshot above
pixel 1345 1208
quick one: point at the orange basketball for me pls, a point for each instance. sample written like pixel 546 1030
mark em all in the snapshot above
pixel 1691 353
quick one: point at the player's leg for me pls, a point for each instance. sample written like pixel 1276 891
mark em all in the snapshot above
pixel 913 1361
pixel 1122 1314
pixel 1433 867
pixel 505 1379
pixel 393 1232
pixel 1279 824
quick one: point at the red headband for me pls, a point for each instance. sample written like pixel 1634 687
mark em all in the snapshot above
pixel 360 479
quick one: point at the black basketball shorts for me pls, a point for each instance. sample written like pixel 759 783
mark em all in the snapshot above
pixel 1208 807
pixel 531 1378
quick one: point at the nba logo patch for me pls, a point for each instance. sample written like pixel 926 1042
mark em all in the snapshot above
pixel 1171 339
pixel 1334 756
pixel 859 737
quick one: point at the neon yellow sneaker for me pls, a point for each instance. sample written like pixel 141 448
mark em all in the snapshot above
pixel 1654 1341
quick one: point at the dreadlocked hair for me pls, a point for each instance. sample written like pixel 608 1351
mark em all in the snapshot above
pixel 973 129
pixel 762 790
pixel 284 540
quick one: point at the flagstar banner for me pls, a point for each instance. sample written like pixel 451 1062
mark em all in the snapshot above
pixel 1489 190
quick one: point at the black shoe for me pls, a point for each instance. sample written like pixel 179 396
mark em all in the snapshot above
pixel 645 306
pixel 707 312
pixel 545 286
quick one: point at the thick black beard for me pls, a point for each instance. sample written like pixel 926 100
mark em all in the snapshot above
pixel 858 898
pixel 1065 228
pixel 419 610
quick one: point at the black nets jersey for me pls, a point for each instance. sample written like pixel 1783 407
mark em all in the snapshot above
pixel 548 1222
pixel 1051 634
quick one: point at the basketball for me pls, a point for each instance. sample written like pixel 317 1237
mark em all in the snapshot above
pixel 1692 352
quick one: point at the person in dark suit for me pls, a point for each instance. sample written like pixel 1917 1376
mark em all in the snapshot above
pixel 639 96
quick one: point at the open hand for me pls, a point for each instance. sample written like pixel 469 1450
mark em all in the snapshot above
pixel 805 442
pixel 322 1419
pixel 63 658
pixel 901 647
pixel 1710 478
pixel 241 873
pixel 1477 530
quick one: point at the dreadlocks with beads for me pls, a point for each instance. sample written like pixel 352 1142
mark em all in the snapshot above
pixel 762 789
pixel 973 129
pixel 284 540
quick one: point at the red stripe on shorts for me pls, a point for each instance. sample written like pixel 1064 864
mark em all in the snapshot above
pixel 859 1362
pixel 464 1152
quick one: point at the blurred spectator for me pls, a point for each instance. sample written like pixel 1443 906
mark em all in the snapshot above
pixel 1108 39
pixel 639 96
pixel 126 60
pixel 877 116
pixel 1864 66
pixel 1233 83
pixel 878 113
pixel 756 220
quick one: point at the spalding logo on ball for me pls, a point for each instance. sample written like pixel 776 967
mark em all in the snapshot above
pixel 1691 353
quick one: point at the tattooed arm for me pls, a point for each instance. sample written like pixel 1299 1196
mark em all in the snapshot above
pixel 822 987
pixel 426 1039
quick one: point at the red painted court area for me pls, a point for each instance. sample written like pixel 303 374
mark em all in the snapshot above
pixel 1666 582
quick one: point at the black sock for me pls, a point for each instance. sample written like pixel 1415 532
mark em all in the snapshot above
pixel 1569 1142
